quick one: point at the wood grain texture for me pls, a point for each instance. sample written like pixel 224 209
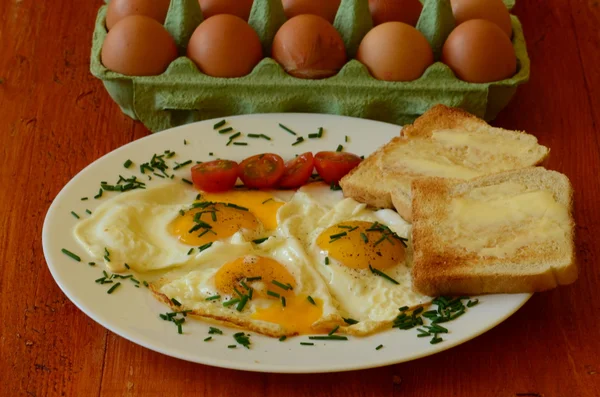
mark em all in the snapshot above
pixel 55 118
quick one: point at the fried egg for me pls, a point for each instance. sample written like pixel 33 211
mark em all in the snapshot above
pixel 269 289
pixel 173 225
pixel 360 253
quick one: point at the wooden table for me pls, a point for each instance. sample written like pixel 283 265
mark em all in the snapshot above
pixel 55 119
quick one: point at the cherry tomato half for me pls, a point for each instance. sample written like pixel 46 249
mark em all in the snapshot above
pixel 262 171
pixel 297 171
pixel 332 166
pixel 215 176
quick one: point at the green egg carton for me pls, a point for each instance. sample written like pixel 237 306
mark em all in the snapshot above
pixel 182 94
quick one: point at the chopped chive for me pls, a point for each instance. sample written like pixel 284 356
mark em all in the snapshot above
pixel 242 339
pixel 298 140
pixel 240 143
pixel 231 302
pixel 250 279
pixel 205 246
pixel 307 344
pixel 281 285
pixel 145 283
pixel 126 266
pixel 211 154
pixel 268 138
pixel 274 294
pixel 72 255
pixel 254 135
pixel 179 328
pixel 214 297
pixel 187 181
pixel 328 337
pixel 135 281
pixel 364 237
pixel 335 187
pixel 417 311
pixel 327 260
pixel 435 340
pixel 339 148
pixel 382 274
pixel 311 300
pixel 320 132
pixel 207 339
pixel 350 321
pixel 99 194
pixel 403 308
pixel 231 138
pixel 287 129
pixel 184 142
pixel 338 235
pixel 282 338
pixel 242 303
pixel 92 263
pixel 214 331
pixel 180 165
pixel 346 138
pixel 379 347
pixel 333 330
pixel 191 251
pixel 283 301
pixel 83 198
pixel 237 207
pixel 88 211
pixel 238 292
pixel 231 346
pixel 267 200
pixel 226 130
pixel 74 214
pixel 127 164
pixel 219 124
pixel 113 288
pixel 175 302
pixel 472 303
pixel 313 136
pixel 158 175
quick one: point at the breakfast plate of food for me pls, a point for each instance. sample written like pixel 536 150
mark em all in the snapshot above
pixel 303 243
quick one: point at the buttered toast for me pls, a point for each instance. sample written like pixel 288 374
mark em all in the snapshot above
pixel 505 233
pixel 443 142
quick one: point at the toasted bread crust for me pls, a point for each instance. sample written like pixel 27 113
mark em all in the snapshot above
pixel 440 267
pixel 381 184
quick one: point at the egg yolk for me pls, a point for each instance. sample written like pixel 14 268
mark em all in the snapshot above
pixel 213 222
pixel 358 244
pixel 266 277
pixel 262 204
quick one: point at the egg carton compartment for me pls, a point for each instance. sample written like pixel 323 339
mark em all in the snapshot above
pixel 182 94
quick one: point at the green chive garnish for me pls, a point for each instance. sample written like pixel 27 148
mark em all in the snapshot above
pixel 207 339
pixel 274 294
pixel 287 129
pixel 337 236
pixel 268 138
pixel 231 346
pixel 435 340
pixel 231 302
pixel 214 297
pixel 472 303
pixel 333 330
pixel 113 288
pixel 72 255
pixel 84 198
pixel 126 266
pixel 339 148
pixel 311 300
pixel 346 138
pixel 191 251
pixel 320 132
pixel 281 285
pixel 231 138
pixel 226 130
pixel 364 237
pixel 99 194
pixel 180 165
pixel 214 331
pixel 128 163
pixel 313 136
pixel 379 347
pixel 242 339
pixel 327 260
pixel 350 321
pixel 298 140
pixel 88 211
pixel 242 303
pixel 240 143
pixel 307 344
pixel 92 263
pixel 74 214
pixel 211 154
pixel 328 337
pixel 179 328
pixel 205 246
pixel 382 274
pixel 282 338
pixel 403 308
pixel 283 301
pixel 145 283
pixel 219 124
pixel 184 142
pixel 187 181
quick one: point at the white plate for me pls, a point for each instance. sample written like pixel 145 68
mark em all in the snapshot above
pixel 133 313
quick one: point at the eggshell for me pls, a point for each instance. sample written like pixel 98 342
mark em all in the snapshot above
pixel 225 46
pixel 478 51
pixel 407 11
pixel 324 8
pixel 239 8
pixel 138 46
pixel 309 47
pixel 395 51
pixel 119 9
pixel 492 10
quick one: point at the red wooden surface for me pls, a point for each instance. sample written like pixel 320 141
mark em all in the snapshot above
pixel 55 118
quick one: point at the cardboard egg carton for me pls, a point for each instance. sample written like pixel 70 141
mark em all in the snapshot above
pixel 182 94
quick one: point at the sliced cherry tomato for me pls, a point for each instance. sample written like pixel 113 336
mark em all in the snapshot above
pixel 262 171
pixel 215 176
pixel 297 171
pixel 332 166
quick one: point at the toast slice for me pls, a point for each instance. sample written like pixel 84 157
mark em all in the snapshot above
pixel 443 142
pixel 505 233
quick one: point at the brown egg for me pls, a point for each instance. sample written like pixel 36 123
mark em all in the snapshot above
pixel 478 51
pixel 225 46
pixel 323 8
pixel 119 9
pixel 240 8
pixel 395 51
pixel 492 10
pixel 407 11
pixel 309 47
pixel 138 46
